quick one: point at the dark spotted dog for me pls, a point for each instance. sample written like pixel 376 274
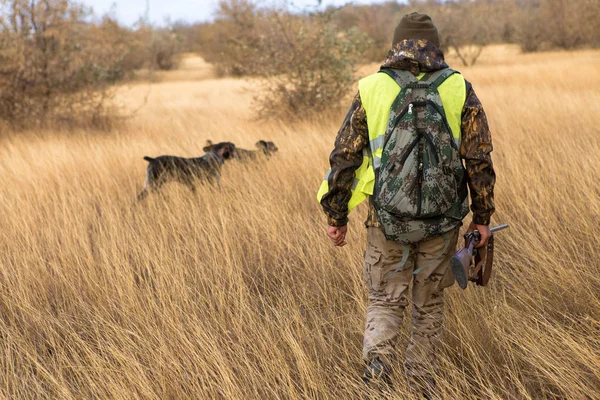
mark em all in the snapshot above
pixel 264 149
pixel 187 170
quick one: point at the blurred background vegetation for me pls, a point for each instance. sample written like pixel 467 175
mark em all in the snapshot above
pixel 59 65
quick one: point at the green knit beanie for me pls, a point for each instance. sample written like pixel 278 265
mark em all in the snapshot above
pixel 416 26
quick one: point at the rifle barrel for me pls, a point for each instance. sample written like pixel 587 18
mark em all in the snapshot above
pixel 499 228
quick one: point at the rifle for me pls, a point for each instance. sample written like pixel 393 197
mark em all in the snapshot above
pixel 471 264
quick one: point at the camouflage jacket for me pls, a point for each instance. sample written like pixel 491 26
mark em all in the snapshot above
pixel 415 56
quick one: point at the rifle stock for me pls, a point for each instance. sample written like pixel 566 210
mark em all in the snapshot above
pixel 460 263
pixel 470 264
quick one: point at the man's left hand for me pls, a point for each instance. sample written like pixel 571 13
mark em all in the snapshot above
pixel 337 234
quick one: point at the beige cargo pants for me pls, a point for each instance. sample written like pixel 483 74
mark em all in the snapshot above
pixel 388 292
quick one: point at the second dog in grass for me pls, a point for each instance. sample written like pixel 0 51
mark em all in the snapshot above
pixel 188 171
pixel 265 149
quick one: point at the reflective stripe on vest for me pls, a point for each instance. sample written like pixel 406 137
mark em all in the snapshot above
pixel 377 93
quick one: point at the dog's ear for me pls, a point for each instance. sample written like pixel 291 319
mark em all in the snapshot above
pixel 209 146
pixel 261 144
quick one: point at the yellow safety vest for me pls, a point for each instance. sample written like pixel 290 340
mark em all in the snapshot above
pixel 377 93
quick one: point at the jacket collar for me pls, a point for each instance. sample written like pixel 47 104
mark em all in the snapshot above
pixel 416 56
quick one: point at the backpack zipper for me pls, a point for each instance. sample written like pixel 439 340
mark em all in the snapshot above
pixel 445 121
pixel 420 190
pixel 409 150
pixel 420 175
pixel 398 118
pixel 432 148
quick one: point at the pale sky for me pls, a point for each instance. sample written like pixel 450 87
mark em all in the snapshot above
pixel 130 11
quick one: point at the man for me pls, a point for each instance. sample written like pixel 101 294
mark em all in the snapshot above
pixel 402 145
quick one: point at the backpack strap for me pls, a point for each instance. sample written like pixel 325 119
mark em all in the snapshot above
pixel 401 77
pixel 406 80
pixel 402 266
pixel 436 78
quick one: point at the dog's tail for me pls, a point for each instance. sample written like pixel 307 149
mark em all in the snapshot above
pixel 149 159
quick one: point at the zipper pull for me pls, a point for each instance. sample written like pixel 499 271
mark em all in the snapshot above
pixel 420 173
pixel 410 106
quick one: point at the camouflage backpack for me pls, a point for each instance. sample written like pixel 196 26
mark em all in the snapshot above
pixel 420 187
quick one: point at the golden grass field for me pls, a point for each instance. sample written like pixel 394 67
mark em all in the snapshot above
pixel 238 294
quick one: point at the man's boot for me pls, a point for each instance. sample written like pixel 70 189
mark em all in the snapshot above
pixel 377 378
pixel 378 372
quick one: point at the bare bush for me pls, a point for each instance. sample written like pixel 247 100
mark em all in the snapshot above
pixel 531 30
pixel 147 47
pixel 559 24
pixel 58 67
pixel 165 49
pixel 313 70
pixel 53 65
pixel 189 34
pixel 232 41
pixel 307 61
pixel 155 48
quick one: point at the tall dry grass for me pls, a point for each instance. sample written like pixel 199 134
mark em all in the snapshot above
pixel 237 293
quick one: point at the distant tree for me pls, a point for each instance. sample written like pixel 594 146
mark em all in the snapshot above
pixel 464 27
pixel 165 49
pixel 571 24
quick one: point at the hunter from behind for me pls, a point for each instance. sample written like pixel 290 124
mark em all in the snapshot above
pixel 414 143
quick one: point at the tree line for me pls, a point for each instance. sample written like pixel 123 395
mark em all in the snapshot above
pixel 59 64
pixel 535 25
pixel 309 57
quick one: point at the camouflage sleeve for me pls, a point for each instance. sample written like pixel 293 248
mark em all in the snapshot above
pixel 475 149
pixel 345 159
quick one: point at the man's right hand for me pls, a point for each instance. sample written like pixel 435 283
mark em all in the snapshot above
pixel 337 234
pixel 484 231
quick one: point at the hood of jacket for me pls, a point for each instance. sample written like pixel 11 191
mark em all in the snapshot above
pixel 416 56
